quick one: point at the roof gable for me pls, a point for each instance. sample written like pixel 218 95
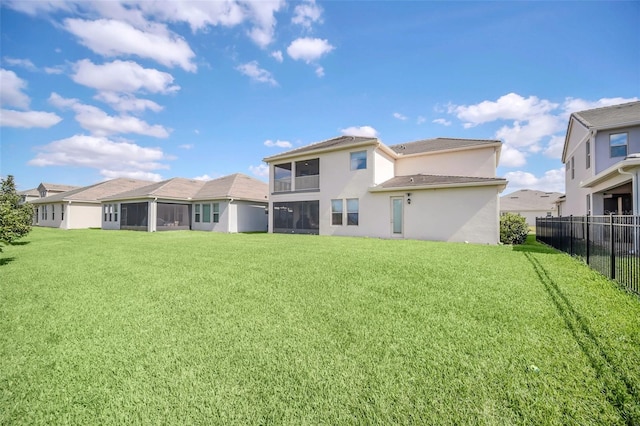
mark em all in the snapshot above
pixel 611 116
pixel 340 142
pixel 237 186
pixel 93 193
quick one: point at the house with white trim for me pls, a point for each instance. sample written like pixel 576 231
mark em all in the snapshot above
pixel 440 189
pixel 79 207
pixel 234 203
pixel 601 155
pixel 530 204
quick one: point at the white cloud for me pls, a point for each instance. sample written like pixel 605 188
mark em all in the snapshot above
pixel 112 174
pixel 508 107
pixel 262 170
pixel 306 14
pixel 24 63
pixel 554 147
pixel 421 120
pixel 11 90
pixel 111 158
pixel 309 49
pixel 186 146
pixel 109 37
pixel 123 76
pixel 277 55
pixel 27 119
pixel 100 123
pixel 278 143
pixel 59 69
pixel 571 105
pixel 262 15
pixel 127 102
pixel 203 177
pixel 512 157
pixel 366 131
pixel 442 121
pixel 551 181
pixel 320 71
pixel 531 132
pixel 253 70
pixel 400 116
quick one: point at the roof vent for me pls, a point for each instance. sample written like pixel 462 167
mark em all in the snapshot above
pixel 411 180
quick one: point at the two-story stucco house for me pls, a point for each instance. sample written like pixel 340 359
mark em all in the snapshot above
pixel 436 189
pixel 602 159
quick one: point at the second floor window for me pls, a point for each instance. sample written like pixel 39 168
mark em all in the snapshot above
pixel 359 160
pixel 588 148
pixel 618 144
pixel 573 167
pixel 282 175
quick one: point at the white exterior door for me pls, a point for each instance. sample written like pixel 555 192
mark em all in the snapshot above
pixel 397 214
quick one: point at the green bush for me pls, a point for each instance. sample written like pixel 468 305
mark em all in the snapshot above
pixel 513 229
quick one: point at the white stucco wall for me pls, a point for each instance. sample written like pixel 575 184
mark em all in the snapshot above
pixel 223 223
pixel 479 162
pixel 251 217
pixel 383 167
pixel 76 215
pixel 576 201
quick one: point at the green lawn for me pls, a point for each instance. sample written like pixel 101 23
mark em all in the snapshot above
pixel 116 327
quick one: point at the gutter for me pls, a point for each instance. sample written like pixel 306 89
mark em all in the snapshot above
pixel 409 188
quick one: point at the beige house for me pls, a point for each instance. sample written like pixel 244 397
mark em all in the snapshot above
pixel 437 189
pixel 234 203
pixel 80 207
pixel 602 160
pixel 530 204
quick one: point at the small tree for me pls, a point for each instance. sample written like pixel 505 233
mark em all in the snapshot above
pixel 15 218
pixel 513 229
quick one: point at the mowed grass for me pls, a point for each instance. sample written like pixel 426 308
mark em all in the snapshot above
pixel 116 327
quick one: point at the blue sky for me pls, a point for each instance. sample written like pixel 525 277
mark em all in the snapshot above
pixel 93 90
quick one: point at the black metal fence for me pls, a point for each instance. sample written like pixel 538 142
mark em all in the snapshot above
pixel 608 244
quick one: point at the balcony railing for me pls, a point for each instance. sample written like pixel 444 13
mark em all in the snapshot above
pixel 307 182
pixel 282 185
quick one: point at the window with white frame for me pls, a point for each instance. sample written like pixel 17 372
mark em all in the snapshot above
pixel 197 213
pixel 216 212
pixel 62 212
pixel 44 212
pixel 618 143
pixel 588 151
pixel 353 211
pixel 206 213
pixel 573 167
pixel 53 212
pixel 359 160
pixel 336 212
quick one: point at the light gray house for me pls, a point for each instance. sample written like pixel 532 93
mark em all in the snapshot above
pixel 80 207
pixel 530 204
pixel 602 159
pixel 234 203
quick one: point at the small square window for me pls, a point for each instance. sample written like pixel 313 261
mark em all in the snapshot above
pixel 359 160
pixel 618 144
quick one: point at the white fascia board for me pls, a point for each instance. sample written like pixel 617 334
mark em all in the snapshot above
pixel 610 172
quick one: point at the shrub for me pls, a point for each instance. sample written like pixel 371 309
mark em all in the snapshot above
pixel 513 229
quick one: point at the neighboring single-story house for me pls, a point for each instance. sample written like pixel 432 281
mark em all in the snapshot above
pixel 436 189
pixel 234 203
pixel 530 204
pixel 79 208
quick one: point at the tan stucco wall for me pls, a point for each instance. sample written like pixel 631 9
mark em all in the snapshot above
pixel 477 163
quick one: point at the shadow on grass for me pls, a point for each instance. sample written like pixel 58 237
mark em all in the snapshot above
pixel 619 389
pixel 20 243
pixel 6 260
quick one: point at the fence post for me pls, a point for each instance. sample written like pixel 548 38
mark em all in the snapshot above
pixel 571 235
pixel 611 245
pixel 586 235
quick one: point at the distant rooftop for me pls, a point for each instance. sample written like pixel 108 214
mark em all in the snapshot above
pixel 529 199
pixel 93 193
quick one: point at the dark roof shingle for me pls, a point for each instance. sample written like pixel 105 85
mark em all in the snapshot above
pixel 610 116
pixel 93 193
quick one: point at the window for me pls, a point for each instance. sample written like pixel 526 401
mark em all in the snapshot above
pixel 307 174
pixel 352 211
pixel 618 144
pixel 573 167
pixel 359 160
pixel 44 212
pixel 206 213
pixel 115 212
pixel 110 212
pixel 336 212
pixel 53 211
pixel 588 204
pixel 216 212
pixel 105 209
pixel 588 148
pixel 197 214
pixel 62 212
pixel 282 177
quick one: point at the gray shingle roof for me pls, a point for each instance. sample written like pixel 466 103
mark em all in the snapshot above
pixel 610 116
pixel 57 187
pixel 341 141
pixel 236 186
pixel 529 199
pixel 93 193
pixel 439 144
pixel 421 180
pixel 32 191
